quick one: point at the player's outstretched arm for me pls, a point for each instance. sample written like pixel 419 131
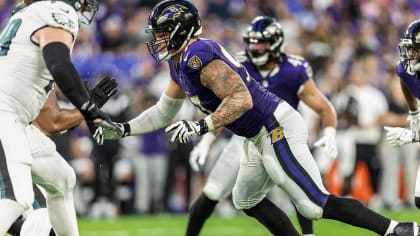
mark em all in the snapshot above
pixel 53 120
pixel 155 117
pixel 55 44
pixel 317 101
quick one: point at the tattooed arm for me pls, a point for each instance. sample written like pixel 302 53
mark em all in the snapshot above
pixel 228 86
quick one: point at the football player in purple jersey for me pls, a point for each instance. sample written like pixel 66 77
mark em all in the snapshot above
pixel 408 69
pixel 275 134
pixel 287 76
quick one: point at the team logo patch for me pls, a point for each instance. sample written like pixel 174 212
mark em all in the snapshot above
pixel 195 62
pixel 63 19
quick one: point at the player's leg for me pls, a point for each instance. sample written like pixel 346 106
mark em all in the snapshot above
pixel 289 163
pixel 251 187
pixel 218 186
pixel 58 179
pixel 15 172
pixel 417 189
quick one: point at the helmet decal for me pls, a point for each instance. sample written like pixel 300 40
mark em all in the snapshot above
pixel 170 13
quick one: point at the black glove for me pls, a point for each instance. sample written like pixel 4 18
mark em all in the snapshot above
pixel 103 90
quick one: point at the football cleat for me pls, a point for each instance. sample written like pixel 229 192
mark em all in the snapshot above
pixel 417 202
pixel 406 229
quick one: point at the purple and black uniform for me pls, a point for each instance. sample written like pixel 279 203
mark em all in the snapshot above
pixel 284 80
pixel 269 118
pixel 187 75
pixel 412 81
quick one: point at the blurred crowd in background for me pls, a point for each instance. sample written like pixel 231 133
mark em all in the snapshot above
pixel 352 46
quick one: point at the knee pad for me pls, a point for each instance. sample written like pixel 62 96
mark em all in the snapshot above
pixel 309 210
pixel 417 202
pixel 68 181
pixel 65 181
pixel 242 202
pixel 216 192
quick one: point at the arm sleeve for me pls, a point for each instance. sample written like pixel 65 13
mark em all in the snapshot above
pixel 58 62
pixel 157 116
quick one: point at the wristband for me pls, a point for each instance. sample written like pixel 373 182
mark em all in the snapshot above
pixel 127 129
pixel 413 113
pixel 203 127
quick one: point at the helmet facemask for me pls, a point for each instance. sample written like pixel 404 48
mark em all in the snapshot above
pixel 86 10
pixel 264 30
pixel 409 47
pixel 410 55
pixel 89 10
pixel 172 24
pixel 165 44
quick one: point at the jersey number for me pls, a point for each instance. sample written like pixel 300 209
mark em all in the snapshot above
pixel 7 35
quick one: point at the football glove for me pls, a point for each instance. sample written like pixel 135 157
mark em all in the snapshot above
pixel 103 90
pixel 414 119
pixel 97 119
pixel 184 129
pixel 328 142
pixel 199 153
pixel 397 136
pixel 115 131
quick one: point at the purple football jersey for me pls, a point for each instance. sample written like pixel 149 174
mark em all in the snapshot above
pixel 284 80
pixel 411 81
pixel 186 74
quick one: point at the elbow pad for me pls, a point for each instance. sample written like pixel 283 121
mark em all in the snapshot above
pixel 157 116
pixel 58 61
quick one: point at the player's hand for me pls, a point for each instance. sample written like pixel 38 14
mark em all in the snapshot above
pixel 397 136
pixel 103 90
pixel 328 142
pixel 95 119
pixel 200 151
pixel 414 119
pixel 123 130
pixel 184 129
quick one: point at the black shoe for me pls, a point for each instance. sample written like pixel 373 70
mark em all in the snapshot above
pixel 406 229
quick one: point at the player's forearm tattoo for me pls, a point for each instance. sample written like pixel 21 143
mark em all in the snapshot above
pixel 227 85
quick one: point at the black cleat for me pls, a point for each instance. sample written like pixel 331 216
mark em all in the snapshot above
pixel 417 201
pixel 406 229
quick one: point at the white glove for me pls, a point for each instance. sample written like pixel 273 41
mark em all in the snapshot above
pixel 328 142
pixel 414 119
pixel 119 130
pixel 184 129
pixel 200 151
pixel 397 136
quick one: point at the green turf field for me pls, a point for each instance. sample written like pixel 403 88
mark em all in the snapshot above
pixel 174 225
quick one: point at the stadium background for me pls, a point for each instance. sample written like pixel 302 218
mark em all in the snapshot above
pixel 330 34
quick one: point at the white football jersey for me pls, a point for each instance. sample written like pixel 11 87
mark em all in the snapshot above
pixel 25 80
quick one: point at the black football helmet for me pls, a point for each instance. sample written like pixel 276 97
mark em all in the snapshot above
pixel 409 47
pixel 87 9
pixel 172 23
pixel 264 29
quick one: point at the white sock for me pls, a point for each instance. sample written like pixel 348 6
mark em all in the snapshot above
pixel 391 227
pixel 62 213
pixel 10 211
pixel 308 235
pixel 36 223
